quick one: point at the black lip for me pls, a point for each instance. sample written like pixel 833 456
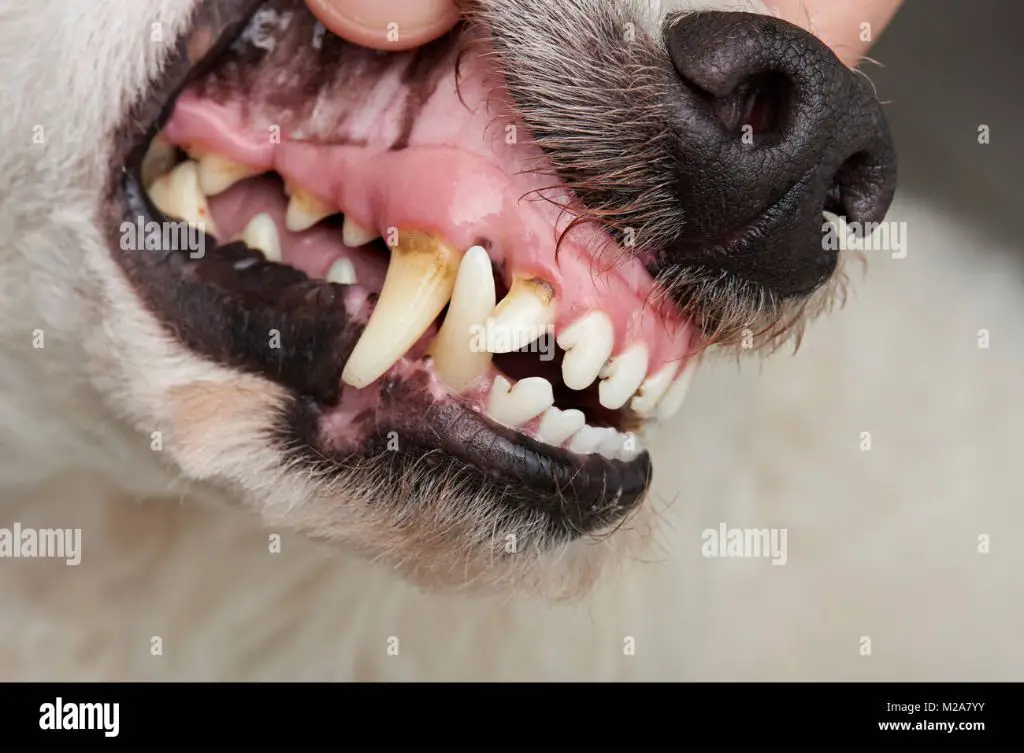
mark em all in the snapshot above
pixel 224 311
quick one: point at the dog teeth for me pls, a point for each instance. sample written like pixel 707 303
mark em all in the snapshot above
pixel 261 235
pixel 177 194
pixel 676 394
pixel 587 440
pixel 419 282
pixel 515 404
pixel 305 210
pixel 343 272
pixel 558 425
pixel 588 343
pixel 457 359
pixel 523 315
pixel 217 174
pixel 646 401
pixel 159 160
pixel 622 376
pixel 355 235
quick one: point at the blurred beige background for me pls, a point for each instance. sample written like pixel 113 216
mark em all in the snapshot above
pixel 882 544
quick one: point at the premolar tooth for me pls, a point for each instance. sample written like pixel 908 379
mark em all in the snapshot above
pixel 178 195
pixel 159 160
pixel 588 343
pixel 673 399
pixel 558 425
pixel 355 235
pixel 305 210
pixel 586 440
pixel 622 377
pixel 261 235
pixel 612 442
pixel 646 401
pixel 524 315
pixel 515 404
pixel 342 272
pixel 217 174
pixel 459 359
pixel 418 284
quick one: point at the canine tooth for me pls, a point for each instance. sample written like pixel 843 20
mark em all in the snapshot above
pixel 558 425
pixel 588 343
pixel 178 195
pixel 646 401
pixel 159 160
pixel 456 359
pixel 305 210
pixel 515 404
pixel 261 235
pixel 418 284
pixel 217 173
pixel 673 399
pixel 342 272
pixel 523 315
pixel 355 235
pixel 586 440
pixel 621 378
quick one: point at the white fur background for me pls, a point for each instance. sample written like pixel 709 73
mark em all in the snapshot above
pixel 882 544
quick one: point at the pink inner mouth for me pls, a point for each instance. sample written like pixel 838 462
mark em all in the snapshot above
pixel 465 172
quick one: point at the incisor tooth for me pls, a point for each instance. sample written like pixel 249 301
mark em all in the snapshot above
pixel 586 440
pixel 673 400
pixel 305 210
pixel 261 234
pixel 558 425
pixel 524 315
pixel 418 284
pixel 178 195
pixel 355 235
pixel 459 358
pixel 621 378
pixel 217 174
pixel 588 343
pixel 158 161
pixel 646 401
pixel 515 404
pixel 342 272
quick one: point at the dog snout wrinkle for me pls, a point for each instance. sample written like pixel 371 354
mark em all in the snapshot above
pixel 772 130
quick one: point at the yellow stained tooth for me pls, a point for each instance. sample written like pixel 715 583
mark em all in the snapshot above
pixel 179 196
pixel 305 210
pixel 217 174
pixel 355 235
pixel 159 160
pixel 419 282
pixel 459 352
pixel 524 315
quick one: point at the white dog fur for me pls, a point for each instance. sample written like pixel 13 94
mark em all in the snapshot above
pixel 883 543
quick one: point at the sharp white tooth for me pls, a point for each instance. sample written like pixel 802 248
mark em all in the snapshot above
pixel 217 174
pixel 524 315
pixel 586 440
pixel 515 404
pixel 588 343
pixel 178 195
pixel 558 425
pixel 305 210
pixel 342 272
pixel 622 377
pixel 646 401
pixel 355 235
pixel 460 356
pixel 159 160
pixel 673 399
pixel 418 284
pixel 261 234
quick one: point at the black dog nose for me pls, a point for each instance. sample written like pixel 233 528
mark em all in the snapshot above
pixel 772 130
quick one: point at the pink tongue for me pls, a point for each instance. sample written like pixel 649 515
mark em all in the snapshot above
pixel 445 166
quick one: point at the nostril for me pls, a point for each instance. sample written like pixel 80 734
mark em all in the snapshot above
pixel 758 106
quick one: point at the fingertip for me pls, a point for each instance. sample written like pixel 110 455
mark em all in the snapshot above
pixel 386 24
